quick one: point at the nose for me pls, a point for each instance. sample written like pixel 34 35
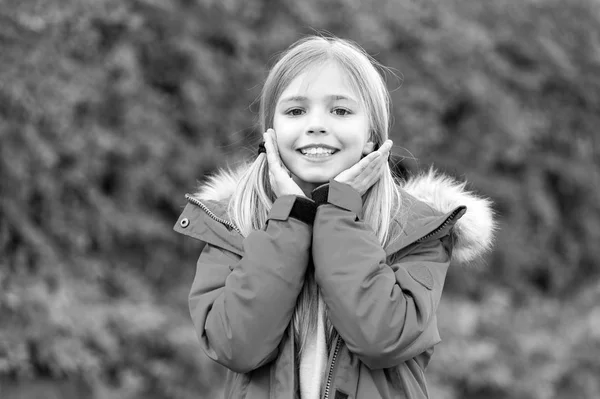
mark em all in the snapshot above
pixel 316 123
pixel 317 129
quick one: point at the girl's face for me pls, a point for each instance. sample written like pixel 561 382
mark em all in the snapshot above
pixel 319 110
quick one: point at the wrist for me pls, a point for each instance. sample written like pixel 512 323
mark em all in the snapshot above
pixel 339 194
pixel 294 206
pixel 304 209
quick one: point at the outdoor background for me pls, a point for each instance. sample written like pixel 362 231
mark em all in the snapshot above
pixel 111 110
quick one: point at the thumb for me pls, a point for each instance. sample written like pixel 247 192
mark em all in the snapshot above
pixel 342 176
pixel 286 169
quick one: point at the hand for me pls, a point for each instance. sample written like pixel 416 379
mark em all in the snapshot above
pixel 367 171
pixel 279 175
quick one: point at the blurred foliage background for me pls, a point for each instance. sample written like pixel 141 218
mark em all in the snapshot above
pixel 111 110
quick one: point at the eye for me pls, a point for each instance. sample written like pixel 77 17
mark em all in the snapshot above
pixel 294 112
pixel 341 111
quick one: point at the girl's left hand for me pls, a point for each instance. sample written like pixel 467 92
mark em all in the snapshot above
pixel 367 171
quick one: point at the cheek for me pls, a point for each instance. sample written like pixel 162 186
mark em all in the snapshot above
pixel 283 122
pixel 351 158
pixel 286 135
pixel 354 144
pixel 276 123
pixel 281 129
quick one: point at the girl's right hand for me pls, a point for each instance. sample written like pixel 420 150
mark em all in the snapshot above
pixel 280 180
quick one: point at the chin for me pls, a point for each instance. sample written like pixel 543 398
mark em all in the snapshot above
pixel 315 178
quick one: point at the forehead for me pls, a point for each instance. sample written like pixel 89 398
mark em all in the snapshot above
pixel 320 81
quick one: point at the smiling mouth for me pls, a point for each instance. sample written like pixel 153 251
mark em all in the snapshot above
pixel 317 154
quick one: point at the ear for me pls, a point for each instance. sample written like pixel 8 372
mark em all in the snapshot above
pixel 368 147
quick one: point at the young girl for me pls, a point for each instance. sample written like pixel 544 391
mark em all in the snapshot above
pixel 322 271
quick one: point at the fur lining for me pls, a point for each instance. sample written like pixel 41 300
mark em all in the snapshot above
pixel 222 184
pixel 473 232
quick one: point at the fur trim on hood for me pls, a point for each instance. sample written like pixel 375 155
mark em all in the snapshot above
pixel 474 232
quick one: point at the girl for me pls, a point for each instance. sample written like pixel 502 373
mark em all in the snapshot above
pixel 322 271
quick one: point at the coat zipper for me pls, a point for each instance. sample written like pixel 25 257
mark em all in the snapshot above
pixel 330 373
pixel 448 220
pixel 211 214
pixel 339 340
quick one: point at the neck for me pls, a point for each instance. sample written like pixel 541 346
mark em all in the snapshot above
pixel 306 187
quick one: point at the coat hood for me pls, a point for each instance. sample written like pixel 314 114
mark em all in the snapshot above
pixel 473 232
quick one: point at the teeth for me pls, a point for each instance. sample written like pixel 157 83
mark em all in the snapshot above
pixel 317 151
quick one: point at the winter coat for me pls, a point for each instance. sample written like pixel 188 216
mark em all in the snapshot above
pixel 381 302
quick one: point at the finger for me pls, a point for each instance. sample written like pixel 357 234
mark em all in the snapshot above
pixel 273 136
pixel 386 147
pixel 371 178
pixel 373 160
pixel 273 140
pixel 368 176
pixel 373 171
pixel 286 170
pixel 272 180
pixel 363 166
pixel 369 159
pixel 276 150
pixel 380 160
pixel 272 158
pixel 378 173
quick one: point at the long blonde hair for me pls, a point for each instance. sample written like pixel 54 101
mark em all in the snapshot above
pixel 250 203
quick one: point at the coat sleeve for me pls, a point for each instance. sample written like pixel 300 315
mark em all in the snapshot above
pixel 384 312
pixel 242 307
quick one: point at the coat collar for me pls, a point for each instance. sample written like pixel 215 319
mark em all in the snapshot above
pixel 433 200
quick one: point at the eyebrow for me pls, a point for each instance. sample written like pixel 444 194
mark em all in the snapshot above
pixel 334 97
